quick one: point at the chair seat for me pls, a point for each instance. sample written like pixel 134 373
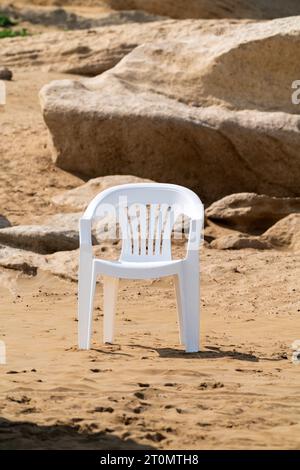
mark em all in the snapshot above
pixel 137 269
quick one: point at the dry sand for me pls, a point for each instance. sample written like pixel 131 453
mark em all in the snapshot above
pixel 241 391
pixel 28 178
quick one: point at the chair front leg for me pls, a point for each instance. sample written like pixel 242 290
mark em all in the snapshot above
pixel 86 289
pixel 190 297
pixel 110 293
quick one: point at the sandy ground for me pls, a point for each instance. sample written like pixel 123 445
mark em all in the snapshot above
pixel 28 178
pixel 241 391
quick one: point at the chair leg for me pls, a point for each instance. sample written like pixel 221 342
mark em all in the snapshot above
pixel 86 290
pixel 179 309
pixel 190 297
pixel 110 293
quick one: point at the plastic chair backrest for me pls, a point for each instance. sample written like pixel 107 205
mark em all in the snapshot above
pixel 146 214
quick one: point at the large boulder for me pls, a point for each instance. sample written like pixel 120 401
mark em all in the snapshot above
pixel 60 232
pixel 213 114
pixel 40 238
pixel 211 9
pixel 251 212
pixel 190 8
pixel 285 233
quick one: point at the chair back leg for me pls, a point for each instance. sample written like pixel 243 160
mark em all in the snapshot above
pixel 179 308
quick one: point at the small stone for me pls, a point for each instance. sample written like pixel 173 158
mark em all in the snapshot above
pixel 240 241
pixel 4 222
pixel 5 73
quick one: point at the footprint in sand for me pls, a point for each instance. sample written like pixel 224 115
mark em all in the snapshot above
pixel 103 409
pixel 19 399
pixel 210 385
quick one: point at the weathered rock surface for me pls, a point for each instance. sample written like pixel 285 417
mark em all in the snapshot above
pixel 213 231
pixel 65 19
pixel 57 233
pixel 211 9
pixel 190 8
pixel 78 198
pixel 198 113
pixel 285 233
pixel 40 239
pixel 250 212
pixel 20 260
pixel 240 241
pixel 96 50
pixel 4 222
pixel 63 264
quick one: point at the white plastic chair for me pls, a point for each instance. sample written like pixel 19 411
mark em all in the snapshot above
pixel 147 213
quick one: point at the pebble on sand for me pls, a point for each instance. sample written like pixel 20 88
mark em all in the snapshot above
pixel 5 73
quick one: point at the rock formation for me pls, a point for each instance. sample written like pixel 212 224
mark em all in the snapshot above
pixel 213 114
pixel 211 9
pixel 91 52
pixel 257 9
pixel 250 212
pixel 285 233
